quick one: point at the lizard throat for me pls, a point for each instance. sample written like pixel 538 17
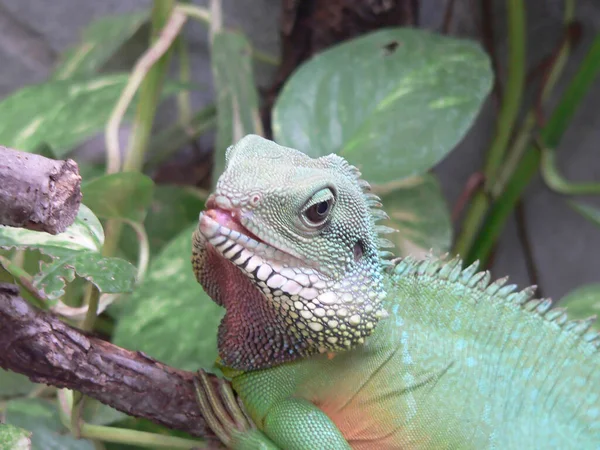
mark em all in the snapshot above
pixel 277 307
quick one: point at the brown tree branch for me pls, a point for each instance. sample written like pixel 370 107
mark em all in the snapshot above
pixel 38 193
pixel 40 346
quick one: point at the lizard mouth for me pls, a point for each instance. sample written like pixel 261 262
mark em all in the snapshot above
pixel 223 230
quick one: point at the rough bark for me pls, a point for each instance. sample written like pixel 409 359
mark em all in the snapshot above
pixel 38 193
pixel 40 346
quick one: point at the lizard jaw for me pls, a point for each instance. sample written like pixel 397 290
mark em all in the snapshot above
pixel 277 307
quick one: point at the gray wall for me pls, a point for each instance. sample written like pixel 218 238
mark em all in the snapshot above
pixel 566 247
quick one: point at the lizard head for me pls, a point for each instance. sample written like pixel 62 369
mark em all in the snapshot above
pixel 289 246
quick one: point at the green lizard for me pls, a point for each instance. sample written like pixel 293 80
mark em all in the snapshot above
pixel 330 344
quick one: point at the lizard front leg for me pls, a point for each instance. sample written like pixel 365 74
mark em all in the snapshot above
pixel 290 423
pixel 226 418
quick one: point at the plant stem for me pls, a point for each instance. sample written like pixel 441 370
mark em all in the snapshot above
pixel 511 102
pixel 144 249
pixel 183 98
pixel 195 12
pixel 92 295
pixel 216 18
pixel 555 181
pixel 149 72
pixel 137 438
pixel 550 136
pixel 154 71
pixel 524 136
pixel 66 399
pixel 25 280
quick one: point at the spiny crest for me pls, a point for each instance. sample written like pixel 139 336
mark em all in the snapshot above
pixel 377 214
pixel 469 277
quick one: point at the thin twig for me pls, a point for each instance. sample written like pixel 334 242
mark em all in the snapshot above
pixel 216 18
pixel 472 185
pixel 447 16
pixel 487 37
pixel 148 59
pixel 523 235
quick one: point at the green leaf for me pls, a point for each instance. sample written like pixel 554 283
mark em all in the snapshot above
pixel 169 316
pixel 418 210
pixel 58 113
pixel 76 251
pixel 14 384
pixel 173 209
pixel 101 39
pixel 589 212
pixel 61 114
pixel 13 438
pixel 237 98
pixel 41 418
pixel 393 102
pixel 582 302
pixel 125 195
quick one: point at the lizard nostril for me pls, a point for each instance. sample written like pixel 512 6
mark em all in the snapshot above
pixel 358 251
pixel 254 199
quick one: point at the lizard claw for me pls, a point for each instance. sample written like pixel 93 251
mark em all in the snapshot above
pixel 223 412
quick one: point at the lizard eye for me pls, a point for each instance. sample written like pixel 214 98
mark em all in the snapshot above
pixel 317 209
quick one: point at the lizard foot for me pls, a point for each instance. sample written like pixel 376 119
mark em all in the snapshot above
pixel 223 413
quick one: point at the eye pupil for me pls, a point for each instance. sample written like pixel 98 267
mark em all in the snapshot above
pixel 322 208
pixel 318 212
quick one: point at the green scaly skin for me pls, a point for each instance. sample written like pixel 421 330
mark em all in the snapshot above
pixel 331 345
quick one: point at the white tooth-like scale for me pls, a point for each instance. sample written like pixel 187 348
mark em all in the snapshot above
pixel 232 251
pixel 276 281
pixel 263 272
pixel 291 287
pixel 244 256
pixel 253 263
pixel 217 240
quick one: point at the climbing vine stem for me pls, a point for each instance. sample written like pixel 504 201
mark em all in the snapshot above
pixel 509 110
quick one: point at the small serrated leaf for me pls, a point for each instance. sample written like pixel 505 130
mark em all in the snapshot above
pixel 76 251
pixel 418 210
pixel 169 317
pixel 124 195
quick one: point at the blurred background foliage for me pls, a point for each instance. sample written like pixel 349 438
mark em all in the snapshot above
pixel 362 80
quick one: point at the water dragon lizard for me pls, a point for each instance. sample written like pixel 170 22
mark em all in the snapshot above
pixel 331 343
